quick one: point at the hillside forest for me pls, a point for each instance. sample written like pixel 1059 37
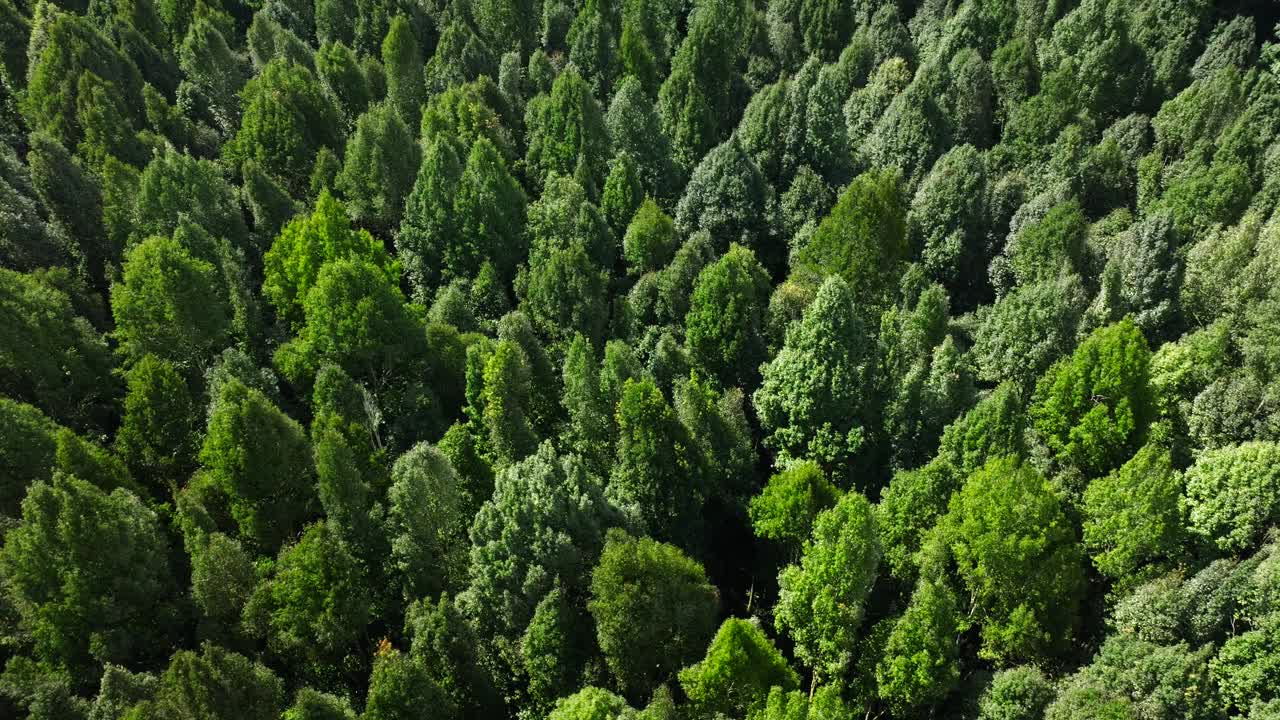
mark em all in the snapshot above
pixel 639 359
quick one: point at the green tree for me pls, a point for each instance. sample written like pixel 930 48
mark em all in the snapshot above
pixel 820 600
pixel 177 189
pixel 566 134
pixel 261 460
pixel 507 400
pixel 589 703
pixel 783 705
pixel 64 48
pixel 88 576
pixel 828 25
pixel 268 39
pixel 1092 410
pixel 344 80
pixel 215 683
pixel 461 447
pixel 863 240
pixel 270 205
pixel 1050 246
pixel 444 639
pixel 775 126
pixel 866 105
pixel 1133 516
pixel 425 525
pixel 77 456
pixel 1017 693
pixel 992 428
pixel 213 75
pixel 555 647
pixel 948 224
pixel 13 59
pixel 920 664
pixel 378 172
pixel 565 293
pixel 636 129
pixel 27 448
pixel 315 605
pixel 171 305
pixel 725 327
pixel 650 239
pixel 971 98
pixel 506 24
pixel 30 241
pixel 587 432
pixel 1018 559
pixel 223 578
pixel 730 198
pixel 157 433
pixel 461 55
pixel 292 265
pixel 520 549
pixel 910 505
pixel 721 435
pixel 402 59
pixel 465 112
pixel 810 399
pixel 912 132
pixel 49 355
pixel 1245 663
pixel 565 216
pixel 623 192
pixel 926 378
pixel 323 173
pixel 1021 335
pixel 593 44
pixel 1130 677
pixel 696 100
pixel 401 686
pixel 74 202
pixel 357 319
pixel 287 119
pixel 346 496
pixel 1146 264
pixel 787 507
pixel 429 224
pixel 740 668
pixel 657 479
pixel 490 209
pixel 452 306
pixel 1231 494
pixel 311 704
pixel 654 610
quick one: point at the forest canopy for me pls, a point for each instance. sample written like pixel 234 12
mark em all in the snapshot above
pixel 639 359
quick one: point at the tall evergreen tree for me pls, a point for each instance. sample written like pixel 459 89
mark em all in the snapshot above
pixel 810 399
pixel 657 479
pixel 378 172
pixel 402 61
pixel 725 325
pixel 88 575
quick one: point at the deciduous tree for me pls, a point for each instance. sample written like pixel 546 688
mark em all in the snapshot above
pixel 820 599
pixel 259 458
pixel 381 163
pixel 1018 559
pixel 724 330
pixel 654 610
pixel 810 386
pixel 738 671
pixel 88 575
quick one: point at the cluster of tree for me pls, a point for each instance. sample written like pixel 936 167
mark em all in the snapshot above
pixel 589 360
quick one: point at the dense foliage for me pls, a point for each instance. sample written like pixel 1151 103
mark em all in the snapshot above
pixel 643 359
